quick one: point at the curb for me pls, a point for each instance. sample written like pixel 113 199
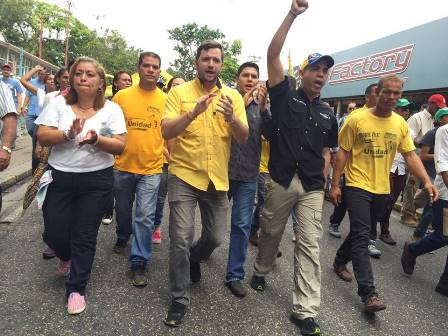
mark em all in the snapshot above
pixel 12 180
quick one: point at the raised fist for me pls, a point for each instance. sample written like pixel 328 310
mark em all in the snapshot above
pixel 299 6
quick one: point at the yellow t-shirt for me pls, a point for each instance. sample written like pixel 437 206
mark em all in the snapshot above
pixel 143 111
pixel 200 154
pixel 372 142
pixel 264 160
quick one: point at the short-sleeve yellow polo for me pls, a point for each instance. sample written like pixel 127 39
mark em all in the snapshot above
pixel 201 153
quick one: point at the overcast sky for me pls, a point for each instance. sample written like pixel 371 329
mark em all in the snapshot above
pixel 327 26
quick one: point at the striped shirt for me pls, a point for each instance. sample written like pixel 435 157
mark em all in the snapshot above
pixel 6 100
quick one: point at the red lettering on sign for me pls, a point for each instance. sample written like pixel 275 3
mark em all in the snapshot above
pixel 393 61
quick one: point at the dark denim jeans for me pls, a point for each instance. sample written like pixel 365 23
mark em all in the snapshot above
pixel 261 191
pixel 426 219
pixel 73 207
pixel 161 196
pixel 364 209
pixel 243 195
pixel 435 240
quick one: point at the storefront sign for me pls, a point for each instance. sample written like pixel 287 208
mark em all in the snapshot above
pixel 393 61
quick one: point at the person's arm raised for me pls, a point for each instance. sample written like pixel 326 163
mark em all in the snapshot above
pixel 275 67
pixel 27 77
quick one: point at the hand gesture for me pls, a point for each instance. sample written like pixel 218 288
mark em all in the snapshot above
pixel 76 128
pixel 203 104
pixel 225 107
pixel 90 138
pixel 299 6
pixel 262 97
pixel 249 96
pixel 38 68
pixel 335 195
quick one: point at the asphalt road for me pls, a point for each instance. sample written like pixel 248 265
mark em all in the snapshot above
pixel 32 295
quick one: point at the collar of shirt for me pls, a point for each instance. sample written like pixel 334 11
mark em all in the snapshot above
pixel 198 82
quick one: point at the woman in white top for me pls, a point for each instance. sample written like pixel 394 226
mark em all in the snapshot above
pixel 86 131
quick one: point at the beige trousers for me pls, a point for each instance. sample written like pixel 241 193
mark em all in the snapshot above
pixel 279 202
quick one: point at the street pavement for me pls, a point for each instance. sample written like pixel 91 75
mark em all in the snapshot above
pixel 32 300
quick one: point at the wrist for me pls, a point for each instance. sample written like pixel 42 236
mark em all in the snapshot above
pixel 190 115
pixel 291 13
pixel 94 141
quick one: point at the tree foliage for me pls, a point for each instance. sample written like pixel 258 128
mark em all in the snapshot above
pixel 187 39
pixel 20 24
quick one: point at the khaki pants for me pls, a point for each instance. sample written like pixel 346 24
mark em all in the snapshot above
pixel 308 208
pixel 408 207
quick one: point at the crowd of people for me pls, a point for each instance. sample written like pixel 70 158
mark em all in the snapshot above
pixel 201 143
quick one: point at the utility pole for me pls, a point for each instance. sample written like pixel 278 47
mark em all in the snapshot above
pixel 67 32
pixel 41 33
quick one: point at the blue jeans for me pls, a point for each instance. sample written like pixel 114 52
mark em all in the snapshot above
pixel 161 196
pixel 426 219
pixel 243 194
pixel 435 240
pixel 261 191
pixel 143 189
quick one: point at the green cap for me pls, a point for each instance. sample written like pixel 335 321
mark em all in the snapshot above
pixel 402 102
pixel 440 113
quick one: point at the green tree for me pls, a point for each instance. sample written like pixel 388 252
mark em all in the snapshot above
pixel 187 39
pixel 20 23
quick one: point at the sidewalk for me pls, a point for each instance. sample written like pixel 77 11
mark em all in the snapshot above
pixel 20 165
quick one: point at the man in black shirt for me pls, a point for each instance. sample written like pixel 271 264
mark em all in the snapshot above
pixel 303 130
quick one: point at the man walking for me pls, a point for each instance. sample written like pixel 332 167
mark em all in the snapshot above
pixel 419 123
pixel 340 210
pixel 439 238
pixel 244 166
pixel 367 145
pixel 304 130
pixel 201 116
pixel 138 169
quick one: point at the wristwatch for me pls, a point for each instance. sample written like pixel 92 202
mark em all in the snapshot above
pixel 7 149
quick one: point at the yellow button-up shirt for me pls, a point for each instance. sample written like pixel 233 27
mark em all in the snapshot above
pixel 200 154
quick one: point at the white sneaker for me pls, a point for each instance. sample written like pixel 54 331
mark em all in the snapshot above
pixel 107 220
pixel 374 252
pixel 333 230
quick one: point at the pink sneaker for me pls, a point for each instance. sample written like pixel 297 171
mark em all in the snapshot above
pixel 48 253
pixel 157 236
pixel 75 304
pixel 64 268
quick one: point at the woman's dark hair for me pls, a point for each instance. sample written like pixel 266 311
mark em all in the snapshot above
pixel 58 76
pixel 170 83
pixel 116 77
pixel 72 96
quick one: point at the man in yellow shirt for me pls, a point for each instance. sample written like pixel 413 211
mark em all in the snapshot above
pixel 368 142
pixel 201 116
pixel 138 169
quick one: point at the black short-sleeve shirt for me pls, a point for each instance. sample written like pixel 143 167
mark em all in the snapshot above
pixel 300 130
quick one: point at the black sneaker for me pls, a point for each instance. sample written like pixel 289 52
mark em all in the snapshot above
pixel 175 314
pixel 258 283
pixel 308 327
pixel 195 271
pixel 442 289
pixel 237 288
pixel 120 246
pixel 138 276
